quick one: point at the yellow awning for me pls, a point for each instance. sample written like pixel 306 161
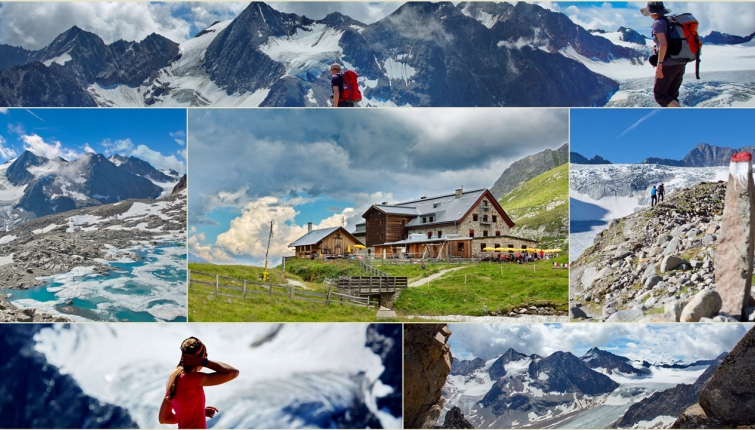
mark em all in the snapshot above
pixel 488 249
pixel 359 246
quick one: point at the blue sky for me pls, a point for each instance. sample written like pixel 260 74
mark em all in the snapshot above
pixel 157 136
pixel 631 135
pixel 34 25
pixel 684 342
pixel 328 166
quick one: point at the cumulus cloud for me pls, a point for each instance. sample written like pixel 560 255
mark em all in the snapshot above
pixel 37 145
pixel 688 341
pixel 248 234
pixel 35 25
pixel 120 146
pixel 17 129
pixel 6 152
pixel 360 11
pixel 89 149
pixel 158 160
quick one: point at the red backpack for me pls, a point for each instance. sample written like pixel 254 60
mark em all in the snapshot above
pixel 683 41
pixel 351 92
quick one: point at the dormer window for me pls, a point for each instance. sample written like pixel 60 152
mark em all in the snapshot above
pixel 424 220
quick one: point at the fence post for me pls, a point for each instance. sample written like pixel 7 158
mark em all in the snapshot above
pixel 243 295
pixel 327 301
pixel 291 293
pixel 270 290
pixel 217 283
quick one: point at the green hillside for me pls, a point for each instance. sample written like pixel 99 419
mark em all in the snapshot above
pixel 540 206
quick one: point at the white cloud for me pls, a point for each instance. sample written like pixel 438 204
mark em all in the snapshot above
pixel 248 233
pixel 179 137
pixel 17 129
pixel 35 25
pixel 89 149
pixel 158 160
pixel 120 146
pixel 688 341
pixel 36 145
pixel 5 152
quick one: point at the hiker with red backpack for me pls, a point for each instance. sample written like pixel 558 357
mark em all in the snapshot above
pixel 345 87
pixel 676 44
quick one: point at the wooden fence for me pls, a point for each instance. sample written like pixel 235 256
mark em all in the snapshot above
pixel 250 288
pixel 371 270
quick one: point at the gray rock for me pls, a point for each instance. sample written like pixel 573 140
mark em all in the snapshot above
pixel 671 262
pixel 577 313
pixel 672 311
pixel 671 247
pixel 608 311
pixel 724 317
pixel 661 239
pixel 704 304
pixel 628 315
pixel 709 239
pixel 749 314
pixel 653 281
pixel 728 394
pixel 649 303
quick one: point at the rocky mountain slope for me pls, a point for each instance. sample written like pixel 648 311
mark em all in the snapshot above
pixel 654 263
pixel 539 207
pixel 35 394
pixel 576 158
pixel 718 38
pixel 726 400
pixel 671 402
pixel 32 186
pixel 596 358
pixel 427 363
pixel 529 167
pixel 419 55
pixel 702 155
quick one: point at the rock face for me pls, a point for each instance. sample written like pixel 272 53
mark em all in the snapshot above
pixel 498 369
pixel 717 38
pixel 629 35
pixel 455 420
pixel 527 168
pixel 34 84
pixel 466 367
pixel 34 394
pixel 673 401
pixel 729 395
pixel 703 155
pixel 737 240
pixel 622 271
pixel 597 358
pixel 577 158
pixel 427 363
pixel 181 185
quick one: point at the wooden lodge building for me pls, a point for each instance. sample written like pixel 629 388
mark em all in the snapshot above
pixel 333 242
pixel 461 224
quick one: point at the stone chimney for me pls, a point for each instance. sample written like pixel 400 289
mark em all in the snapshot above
pixel 734 256
pixel 309 227
pixel 459 192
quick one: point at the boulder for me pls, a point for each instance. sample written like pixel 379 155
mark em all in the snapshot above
pixel 672 311
pixel 704 304
pixel 671 262
pixel 652 281
pixel 577 313
pixel 728 395
pixel 628 315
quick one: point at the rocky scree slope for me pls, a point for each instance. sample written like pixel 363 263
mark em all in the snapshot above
pixel 654 264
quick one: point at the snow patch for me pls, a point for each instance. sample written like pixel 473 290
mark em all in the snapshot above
pixel 61 59
pixel 396 70
pixel 7 239
pixel 47 229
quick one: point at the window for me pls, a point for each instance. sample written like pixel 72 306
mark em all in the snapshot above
pixel 403 223
pixel 429 235
pixel 381 222
pixel 460 246
pixel 511 245
pixel 495 218
pixel 474 217
pixel 471 233
pixel 431 219
pixel 484 233
pixel 483 246
pixel 440 233
pixel 485 218
pixel 497 233
pixel 497 245
pixel 424 220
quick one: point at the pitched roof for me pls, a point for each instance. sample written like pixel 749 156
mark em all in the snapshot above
pixel 444 208
pixel 315 236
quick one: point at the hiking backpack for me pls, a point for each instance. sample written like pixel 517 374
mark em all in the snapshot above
pixel 351 92
pixel 684 43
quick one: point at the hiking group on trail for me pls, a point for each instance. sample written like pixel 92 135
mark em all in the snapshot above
pixel 184 401
pixel 676 44
pixel 656 195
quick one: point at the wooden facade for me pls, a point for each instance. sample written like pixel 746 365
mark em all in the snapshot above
pixel 384 228
pixel 442 249
pixel 335 245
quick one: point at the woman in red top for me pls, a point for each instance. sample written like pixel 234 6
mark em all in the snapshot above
pixel 184 402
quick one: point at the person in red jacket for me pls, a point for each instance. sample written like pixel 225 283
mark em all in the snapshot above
pixel 184 401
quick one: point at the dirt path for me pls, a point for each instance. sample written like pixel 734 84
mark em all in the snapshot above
pixel 296 283
pixel 424 281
